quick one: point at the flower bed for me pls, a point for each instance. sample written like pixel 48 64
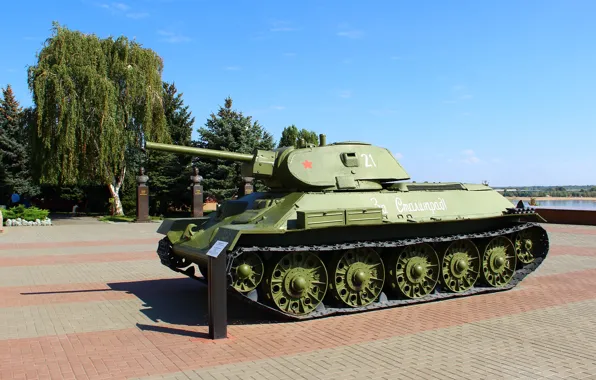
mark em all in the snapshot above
pixel 21 216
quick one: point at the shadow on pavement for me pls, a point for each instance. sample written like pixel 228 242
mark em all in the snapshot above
pixel 173 331
pixel 179 302
pixel 184 302
pixel 67 219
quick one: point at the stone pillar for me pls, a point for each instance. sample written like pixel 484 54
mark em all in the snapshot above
pixel 197 193
pixel 248 187
pixel 142 197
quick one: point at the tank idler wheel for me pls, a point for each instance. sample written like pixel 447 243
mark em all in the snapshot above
pixel 414 271
pixel 358 276
pixel 247 272
pixel 498 261
pixel 175 261
pixel 461 266
pixel 297 283
pixel 527 243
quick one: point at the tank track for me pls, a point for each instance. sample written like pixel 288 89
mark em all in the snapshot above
pixel 384 302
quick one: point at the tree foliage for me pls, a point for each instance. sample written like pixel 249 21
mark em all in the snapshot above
pixel 15 175
pixel 96 100
pixel 291 136
pixel 169 173
pixel 229 130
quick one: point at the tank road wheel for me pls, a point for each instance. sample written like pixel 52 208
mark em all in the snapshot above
pixel 498 261
pixel 527 243
pixel 461 266
pixel 414 272
pixel 297 283
pixel 359 277
pixel 247 272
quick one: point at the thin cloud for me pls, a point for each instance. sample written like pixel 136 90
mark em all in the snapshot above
pixel 398 155
pixel 459 93
pixel 118 8
pixel 345 94
pixel 289 54
pixel 232 68
pixel 279 108
pixel 402 57
pixel 114 7
pixel 172 37
pixel 469 157
pixel 121 6
pixel 282 26
pixel 351 34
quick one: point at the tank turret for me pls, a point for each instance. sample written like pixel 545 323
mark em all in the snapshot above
pixel 341 166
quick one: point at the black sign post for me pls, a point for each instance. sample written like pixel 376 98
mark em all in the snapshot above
pixel 217 289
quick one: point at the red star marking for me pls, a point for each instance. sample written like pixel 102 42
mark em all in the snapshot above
pixel 307 164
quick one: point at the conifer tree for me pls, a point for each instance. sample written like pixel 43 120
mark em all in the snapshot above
pixel 229 130
pixel 291 136
pixel 96 101
pixel 15 175
pixel 169 173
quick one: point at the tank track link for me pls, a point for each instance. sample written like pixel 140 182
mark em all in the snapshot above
pixel 384 302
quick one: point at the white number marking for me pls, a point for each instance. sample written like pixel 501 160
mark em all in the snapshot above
pixel 366 162
pixel 378 205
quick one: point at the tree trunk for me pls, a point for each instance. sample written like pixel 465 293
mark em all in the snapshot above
pixel 115 193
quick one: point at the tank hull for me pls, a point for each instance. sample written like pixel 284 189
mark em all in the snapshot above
pixel 306 255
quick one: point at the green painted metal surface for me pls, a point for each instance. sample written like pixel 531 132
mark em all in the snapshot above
pixel 341 230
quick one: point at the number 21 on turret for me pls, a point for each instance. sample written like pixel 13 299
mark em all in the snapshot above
pixel 369 162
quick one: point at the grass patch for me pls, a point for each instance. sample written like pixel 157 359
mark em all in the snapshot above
pixel 123 218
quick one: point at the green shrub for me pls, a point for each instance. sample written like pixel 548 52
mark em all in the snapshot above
pixel 31 214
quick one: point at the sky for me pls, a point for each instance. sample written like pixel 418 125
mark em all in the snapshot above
pixel 465 91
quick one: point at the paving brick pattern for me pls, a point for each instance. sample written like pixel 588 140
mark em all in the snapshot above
pixel 451 353
pixel 566 263
pixel 101 272
pixel 74 250
pixel 89 302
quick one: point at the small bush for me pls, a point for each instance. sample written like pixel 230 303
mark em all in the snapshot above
pixel 30 214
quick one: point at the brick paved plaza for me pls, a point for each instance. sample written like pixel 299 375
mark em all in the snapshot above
pixel 92 301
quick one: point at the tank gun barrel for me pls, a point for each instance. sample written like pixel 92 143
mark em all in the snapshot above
pixel 199 152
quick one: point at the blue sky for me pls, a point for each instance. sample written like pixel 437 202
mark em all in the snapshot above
pixel 503 91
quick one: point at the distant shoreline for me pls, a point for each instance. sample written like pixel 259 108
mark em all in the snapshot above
pixel 553 198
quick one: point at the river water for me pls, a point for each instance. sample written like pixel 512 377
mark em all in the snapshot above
pixel 575 204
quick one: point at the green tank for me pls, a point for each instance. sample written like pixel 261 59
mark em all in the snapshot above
pixel 341 231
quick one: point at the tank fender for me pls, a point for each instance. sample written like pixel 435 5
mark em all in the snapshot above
pixel 223 234
pixel 176 224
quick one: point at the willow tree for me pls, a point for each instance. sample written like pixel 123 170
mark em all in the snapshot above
pixel 96 100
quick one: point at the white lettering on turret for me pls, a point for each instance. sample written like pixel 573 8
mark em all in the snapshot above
pixel 369 162
pixel 420 206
